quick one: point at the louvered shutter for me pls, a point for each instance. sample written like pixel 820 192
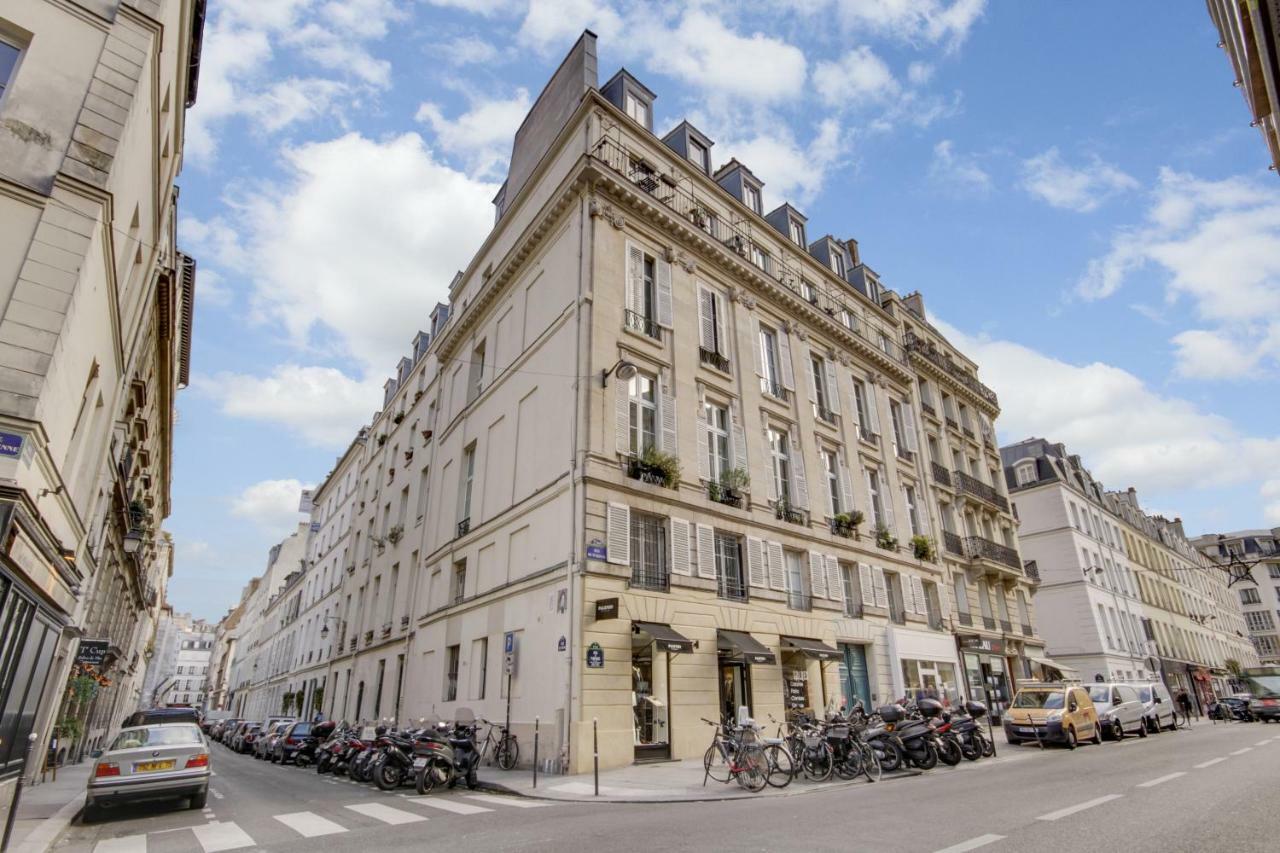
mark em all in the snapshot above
pixel 917 590
pixel 812 380
pixel 739 436
pixel 882 587
pixel 873 412
pixel 784 356
pixel 722 342
pixel 679 546
pixel 664 293
pixel 773 480
pixel 622 416
pixel 777 568
pixel 859 392
pixel 825 486
pixel 704 441
pixel 667 405
pixel 866 482
pixel 833 387
pixel 867 585
pixel 618 522
pixel 846 485
pixel 909 421
pixel 886 498
pixel 799 482
pixel 817 576
pixel 635 279
pixel 756 345
pixel 922 512
pixel 706 320
pixel 835 581
pixel 909 594
pixel 756 575
pixel 706 552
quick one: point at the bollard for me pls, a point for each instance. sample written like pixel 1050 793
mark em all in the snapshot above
pixel 17 794
pixel 595 749
pixel 535 752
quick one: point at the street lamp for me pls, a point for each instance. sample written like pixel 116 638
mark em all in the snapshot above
pixel 132 542
pixel 324 629
pixel 622 369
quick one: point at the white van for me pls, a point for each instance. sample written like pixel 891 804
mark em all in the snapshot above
pixel 1120 710
pixel 1158 708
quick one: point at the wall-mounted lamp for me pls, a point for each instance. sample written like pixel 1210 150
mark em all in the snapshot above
pixel 622 369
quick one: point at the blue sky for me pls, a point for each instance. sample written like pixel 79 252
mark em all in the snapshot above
pixel 1074 187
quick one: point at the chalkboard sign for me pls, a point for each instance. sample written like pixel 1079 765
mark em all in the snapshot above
pixel 795 692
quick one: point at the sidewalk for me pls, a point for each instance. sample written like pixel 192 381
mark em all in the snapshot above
pixel 46 808
pixel 660 782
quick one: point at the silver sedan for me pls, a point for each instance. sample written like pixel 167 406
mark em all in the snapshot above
pixel 157 762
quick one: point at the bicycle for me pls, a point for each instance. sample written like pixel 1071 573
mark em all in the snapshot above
pixel 505 749
pixel 736 754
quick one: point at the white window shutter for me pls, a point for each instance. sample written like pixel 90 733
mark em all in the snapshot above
pixel 835 581
pixel 679 546
pixel 846 485
pixel 706 551
pixel 882 587
pixel 909 425
pixel 812 380
pixel 704 444
pixel 917 591
pixel 618 533
pixel 667 402
pixel 756 575
pixel 706 320
pixel 867 584
pixel 799 483
pixel 756 345
pixel 738 436
pixel 873 412
pixel 622 415
pixel 853 405
pixel 777 568
pixel 663 270
pixel 922 513
pixel 635 279
pixel 886 498
pixel 866 482
pixel 833 386
pixel 825 487
pixel 817 576
pixel 773 480
pixel 784 356
pixel 722 342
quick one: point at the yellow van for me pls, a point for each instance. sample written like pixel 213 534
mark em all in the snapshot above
pixel 1055 713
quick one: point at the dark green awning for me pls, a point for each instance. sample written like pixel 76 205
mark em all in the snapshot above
pixel 741 643
pixel 667 638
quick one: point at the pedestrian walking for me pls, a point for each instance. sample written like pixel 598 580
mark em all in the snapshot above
pixel 1184 702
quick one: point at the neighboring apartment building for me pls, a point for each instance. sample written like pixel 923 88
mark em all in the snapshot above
pixel 1258 551
pixel 95 320
pixel 226 643
pixel 663 456
pixel 1091 614
pixel 179 674
pixel 1249 33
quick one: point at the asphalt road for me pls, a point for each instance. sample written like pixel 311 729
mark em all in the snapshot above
pixel 1214 787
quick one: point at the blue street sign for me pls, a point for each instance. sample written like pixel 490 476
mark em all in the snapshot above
pixel 595 656
pixel 10 445
pixel 597 551
pixel 509 645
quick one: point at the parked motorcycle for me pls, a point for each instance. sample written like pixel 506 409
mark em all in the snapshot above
pixel 445 754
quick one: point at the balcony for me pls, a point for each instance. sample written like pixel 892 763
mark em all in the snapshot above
pixel 404 622
pixel 386 630
pixel 773 389
pixel 713 359
pixel 782 512
pixel 825 415
pixel 979 548
pixel 464 526
pixel 953 543
pixel 964 619
pixel 922 348
pixel 731 588
pixel 368 637
pixel 648 472
pixel 1032 571
pixel 724 495
pixel 965 429
pixel 935 621
pixel 1026 631
pixel 651 577
pixel 1006 626
pixel 642 324
pixel 941 475
pixel 799 601
pixel 904 454
pixel 951 422
pixel 969 485
pixel 989 622
pixel 852 609
pixel 844 529
pixel 867 435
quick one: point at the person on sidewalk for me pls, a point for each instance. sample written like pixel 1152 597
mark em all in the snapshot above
pixel 1184 702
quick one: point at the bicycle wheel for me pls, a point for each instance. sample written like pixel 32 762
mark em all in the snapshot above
pixel 782 768
pixel 849 765
pixel 508 752
pixel 716 765
pixel 753 768
pixel 816 763
pixel 871 764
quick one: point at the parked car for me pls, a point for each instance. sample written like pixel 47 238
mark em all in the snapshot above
pixel 161 715
pixel 245 736
pixel 1239 706
pixel 1120 711
pixel 152 762
pixel 221 728
pixel 290 741
pixel 1265 708
pixel 1052 712
pixel 265 742
pixel 1158 706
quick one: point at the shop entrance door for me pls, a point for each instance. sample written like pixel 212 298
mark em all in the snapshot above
pixel 735 688
pixel 855 681
pixel 649 705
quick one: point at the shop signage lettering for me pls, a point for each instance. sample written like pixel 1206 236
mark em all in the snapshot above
pixel 795 693
pixel 982 644
pixel 92 652
pixel 607 608
pixel 10 445
pixel 595 656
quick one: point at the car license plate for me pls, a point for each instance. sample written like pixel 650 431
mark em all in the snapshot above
pixel 149 766
pixel 419 763
pixel 1027 730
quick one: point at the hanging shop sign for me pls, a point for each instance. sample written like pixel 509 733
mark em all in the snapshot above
pixel 607 608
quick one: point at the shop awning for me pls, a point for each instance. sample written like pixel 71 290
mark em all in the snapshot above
pixel 815 649
pixel 744 644
pixel 1067 672
pixel 667 638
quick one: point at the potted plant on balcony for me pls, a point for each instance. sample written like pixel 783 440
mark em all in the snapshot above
pixel 699 217
pixel 846 523
pixel 654 466
pixel 730 489
pixel 398 417
pixel 922 547
pixel 382 439
pixel 885 539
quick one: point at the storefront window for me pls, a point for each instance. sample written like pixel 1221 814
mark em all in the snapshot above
pixel 986 681
pixel 927 679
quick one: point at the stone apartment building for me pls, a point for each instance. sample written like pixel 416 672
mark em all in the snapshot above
pixel 95 318
pixel 1258 592
pixel 179 673
pixel 226 645
pixel 665 455
pixel 1247 34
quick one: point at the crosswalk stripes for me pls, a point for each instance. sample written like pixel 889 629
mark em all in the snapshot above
pixel 221 836
pixel 454 806
pixel 310 824
pixel 508 801
pixel 386 814
pixel 124 844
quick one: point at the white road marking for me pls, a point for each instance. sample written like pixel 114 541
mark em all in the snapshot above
pixel 454 806
pixel 386 814
pixel 1261 742
pixel 518 802
pixel 124 844
pixel 1161 780
pixel 217 795
pixel 971 844
pixel 1070 810
pixel 221 836
pixel 309 824
pixel 1243 751
pixel 1210 762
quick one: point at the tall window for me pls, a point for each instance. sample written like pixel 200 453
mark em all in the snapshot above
pixel 637 109
pixel 698 154
pixel 475 380
pixel 480 655
pixel 451 674
pixel 649 552
pixel 711 328
pixel 8 61
pixel 831 466
pixel 852 586
pixel 899 429
pixel 459 582
pixel 770 363
pixel 424 491
pixel 877 500
pixel 797 232
pixel 866 426
pixel 720 460
pixel 797 581
pixel 468 476
pixel 751 196
pixel 1106 628
pixel 913 511
pixel 780 453
pixel 644 413
pixel 837 263
pixel 822 407
pixel 759 257
pixel 1249 595
pixel 731 581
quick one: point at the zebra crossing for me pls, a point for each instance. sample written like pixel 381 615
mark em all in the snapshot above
pixel 217 835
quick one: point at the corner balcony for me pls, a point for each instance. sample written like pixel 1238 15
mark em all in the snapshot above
pixel 994 558
pixel 920 348
pixel 972 486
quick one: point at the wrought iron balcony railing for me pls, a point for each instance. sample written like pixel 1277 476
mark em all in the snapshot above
pixel 953 543
pixel 973 486
pixel 927 350
pixel 941 475
pixel 642 324
pixel 713 359
pixel 980 548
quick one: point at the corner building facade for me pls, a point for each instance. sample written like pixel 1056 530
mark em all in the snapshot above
pixel 661 458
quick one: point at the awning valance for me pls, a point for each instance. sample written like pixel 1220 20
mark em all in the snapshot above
pixel 815 649
pixel 1067 672
pixel 740 643
pixel 667 638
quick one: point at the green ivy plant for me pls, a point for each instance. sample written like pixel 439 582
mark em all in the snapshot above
pixel 665 464
pixel 736 480
pixel 885 539
pixel 922 547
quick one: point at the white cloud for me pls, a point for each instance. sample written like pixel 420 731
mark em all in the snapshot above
pixel 1202 354
pixel 1270 492
pixel 211 290
pixel 467 50
pixel 957 173
pixel 555 24
pixel 321 404
pixel 479 7
pixel 482 136
pixel 706 54
pixel 270 504
pixel 913 21
pixel 919 73
pixel 859 76
pixel 791 171
pixel 1082 189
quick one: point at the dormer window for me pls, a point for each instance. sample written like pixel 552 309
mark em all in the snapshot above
pixel 797 233
pixel 751 197
pixel 837 264
pixel 637 109
pixel 698 154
